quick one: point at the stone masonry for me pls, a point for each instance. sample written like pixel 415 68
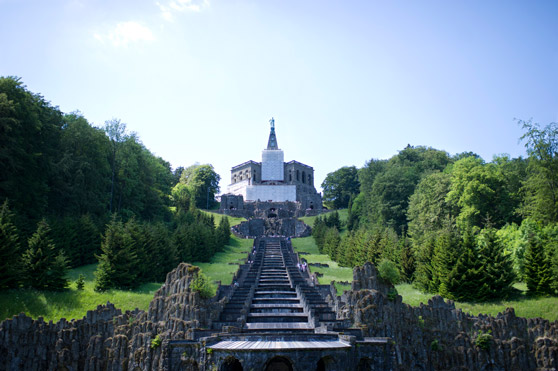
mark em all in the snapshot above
pixel 275 317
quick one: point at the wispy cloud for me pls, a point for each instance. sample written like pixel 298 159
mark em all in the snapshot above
pixel 170 8
pixel 125 33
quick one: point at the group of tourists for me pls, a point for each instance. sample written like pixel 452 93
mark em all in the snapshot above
pixel 302 267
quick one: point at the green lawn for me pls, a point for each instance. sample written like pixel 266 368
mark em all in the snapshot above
pixel 72 303
pixel 218 217
pixel 309 251
pixel 545 307
pixel 343 214
pixel 524 306
pixel 223 265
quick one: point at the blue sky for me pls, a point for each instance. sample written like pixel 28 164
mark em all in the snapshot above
pixel 346 81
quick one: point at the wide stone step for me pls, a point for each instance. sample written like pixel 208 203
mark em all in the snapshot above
pixel 278 317
pixel 277 310
pixel 275 294
pixel 275 301
pixel 278 327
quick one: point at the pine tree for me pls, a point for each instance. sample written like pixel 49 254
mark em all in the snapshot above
pixel 538 270
pixel 331 242
pixel 223 232
pixel 498 268
pixel 45 269
pixel 117 262
pixel 407 259
pixel 10 262
pixel 352 218
pixel 447 250
pixel 467 277
pixel 554 260
pixel 424 273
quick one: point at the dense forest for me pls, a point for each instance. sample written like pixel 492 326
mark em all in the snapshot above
pixel 454 225
pixel 74 194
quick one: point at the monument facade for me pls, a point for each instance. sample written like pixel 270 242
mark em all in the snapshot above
pixel 273 179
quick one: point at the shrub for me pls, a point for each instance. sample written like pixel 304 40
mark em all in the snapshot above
pixel 389 272
pixel 202 285
pixel 483 340
pixel 80 282
pixel 156 343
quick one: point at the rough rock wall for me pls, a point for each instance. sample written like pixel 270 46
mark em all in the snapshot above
pixel 438 336
pixel 106 339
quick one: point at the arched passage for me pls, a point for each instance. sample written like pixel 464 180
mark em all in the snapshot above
pixel 326 363
pixel 365 364
pixel 231 364
pixel 279 364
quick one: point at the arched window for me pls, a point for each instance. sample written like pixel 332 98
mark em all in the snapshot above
pixel 279 364
pixel 303 177
pixel 297 175
pixel 231 364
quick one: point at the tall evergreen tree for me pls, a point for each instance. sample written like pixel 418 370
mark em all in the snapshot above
pixel 538 269
pixel 498 272
pixel 467 277
pixel 10 262
pixel 118 261
pixel 223 232
pixel 407 259
pixel 424 273
pixel 447 250
pixel 45 269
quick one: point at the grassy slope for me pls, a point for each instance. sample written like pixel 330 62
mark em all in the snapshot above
pixel 224 265
pixel 524 306
pixel 74 304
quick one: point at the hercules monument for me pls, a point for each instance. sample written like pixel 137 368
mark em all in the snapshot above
pixel 275 316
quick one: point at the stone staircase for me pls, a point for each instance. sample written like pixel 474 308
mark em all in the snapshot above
pixel 274 296
pixel 276 305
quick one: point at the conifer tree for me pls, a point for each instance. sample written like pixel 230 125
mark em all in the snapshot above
pixel 352 218
pixel 331 242
pixel 467 277
pixel 45 269
pixel 118 261
pixel 554 260
pixel 538 270
pixel 407 259
pixel 498 268
pixel 10 262
pixel 223 232
pixel 424 273
pixel 447 250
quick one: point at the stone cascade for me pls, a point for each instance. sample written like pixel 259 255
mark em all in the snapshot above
pixel 234 311
pixel 321 313
pixel 276 305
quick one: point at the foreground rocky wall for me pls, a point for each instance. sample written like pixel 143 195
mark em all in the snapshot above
pixel 437 336
pixel 106 338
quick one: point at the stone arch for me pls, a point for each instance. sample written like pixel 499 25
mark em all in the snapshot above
pixel 279 363
pixel 231 364
pixel 326 363
pixel 272 213
pixel 365 364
